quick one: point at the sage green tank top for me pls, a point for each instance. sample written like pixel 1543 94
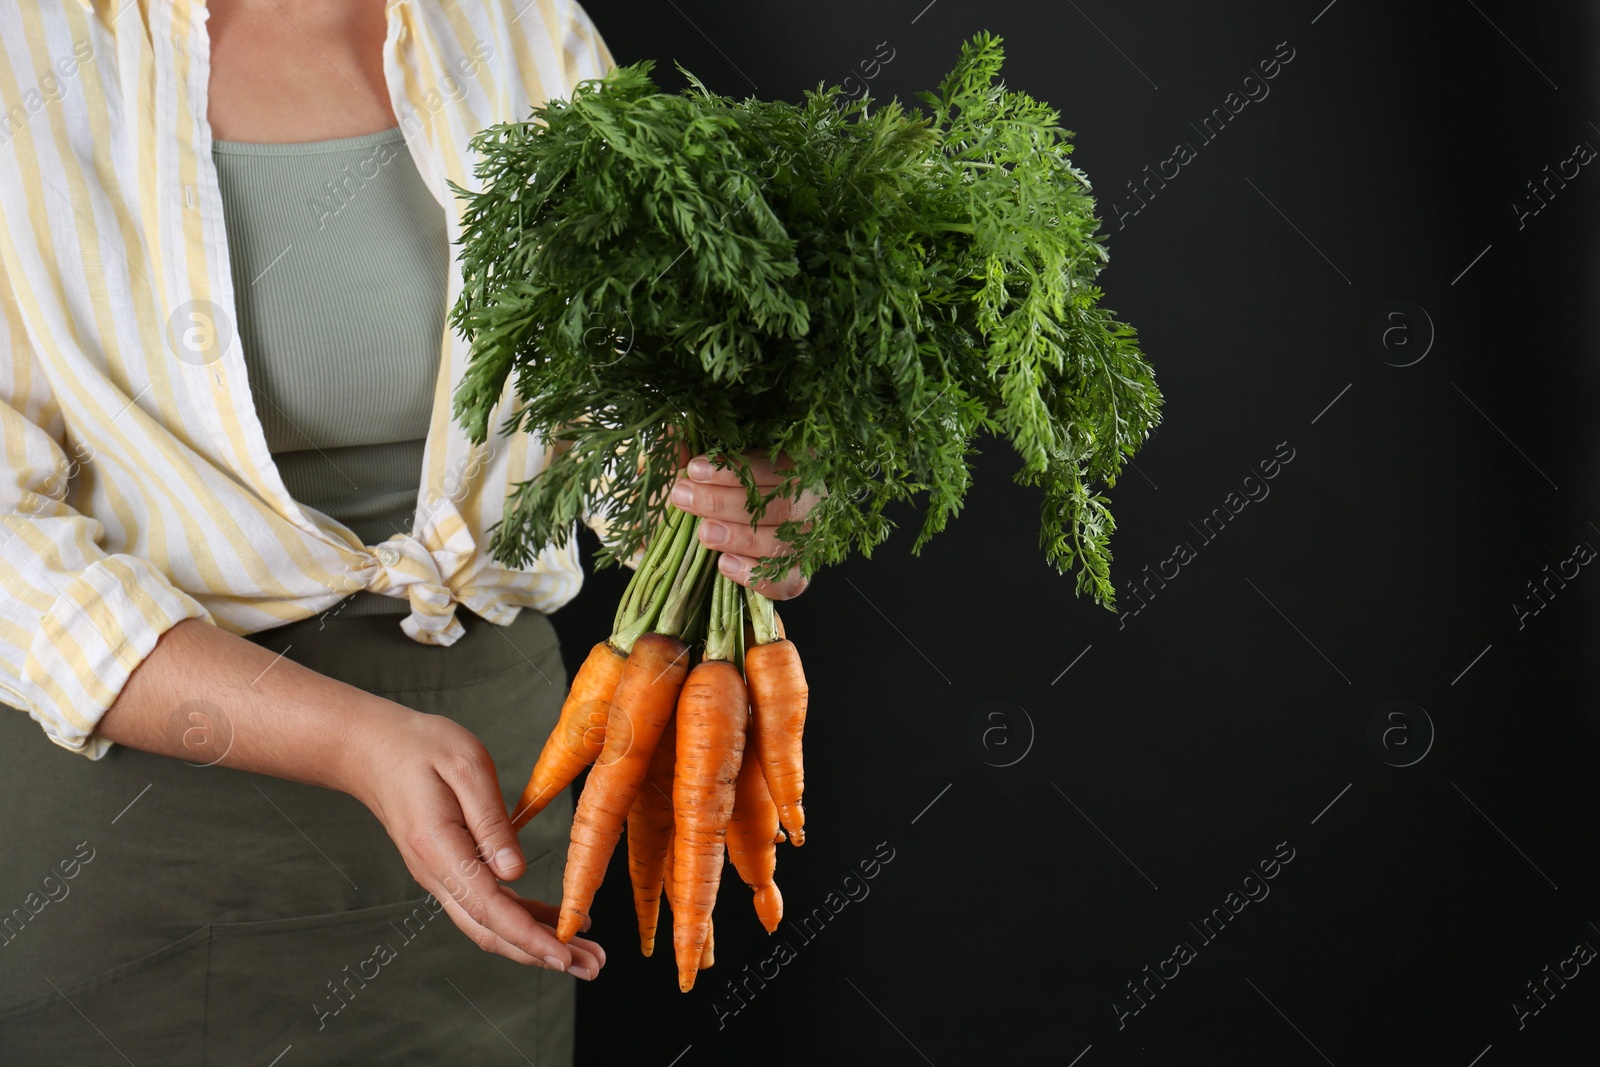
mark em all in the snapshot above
pixel 340 257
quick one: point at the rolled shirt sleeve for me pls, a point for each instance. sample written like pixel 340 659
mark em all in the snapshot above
pixel 74 620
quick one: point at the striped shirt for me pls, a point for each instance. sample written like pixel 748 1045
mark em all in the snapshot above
pixel 137 489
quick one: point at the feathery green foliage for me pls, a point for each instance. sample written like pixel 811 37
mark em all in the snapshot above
pixel 866 288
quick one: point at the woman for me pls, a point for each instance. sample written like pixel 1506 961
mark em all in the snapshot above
pixel 241 522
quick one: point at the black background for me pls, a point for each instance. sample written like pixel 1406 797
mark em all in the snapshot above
pixel 1232 713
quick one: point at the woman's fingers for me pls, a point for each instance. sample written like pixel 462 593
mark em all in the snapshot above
pixel 587 956
pixel 737 538
pixel 548 914
pixel 739 568
pixel 767 473
pixel 472 777
pixel 472 895
pixel 731 503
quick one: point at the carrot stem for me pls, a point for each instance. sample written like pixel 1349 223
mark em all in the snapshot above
pixel 762 619
pixel 725 625
pixel 646 576
pixel 658 596
pixel 683 596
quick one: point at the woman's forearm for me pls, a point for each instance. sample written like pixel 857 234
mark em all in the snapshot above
pixel 212 697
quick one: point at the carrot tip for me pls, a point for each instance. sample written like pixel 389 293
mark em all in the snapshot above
pixel 769 907
pixel 568 925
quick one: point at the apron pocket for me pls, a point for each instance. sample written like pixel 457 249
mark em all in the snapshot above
pixel 151 1010
pixel 395 984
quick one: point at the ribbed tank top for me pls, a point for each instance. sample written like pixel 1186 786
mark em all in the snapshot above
pixel 339 258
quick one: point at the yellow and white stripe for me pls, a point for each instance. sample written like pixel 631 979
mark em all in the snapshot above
pixel 137 489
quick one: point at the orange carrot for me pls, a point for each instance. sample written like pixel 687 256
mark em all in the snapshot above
pixel 778 694
pixel 650 838
pixel 712 709
pixel 707 954
pixel 639 711
pixel 669 887
pixel 579 733
pixel 753 835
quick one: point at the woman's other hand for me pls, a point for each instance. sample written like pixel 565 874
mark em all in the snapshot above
pixel 433 786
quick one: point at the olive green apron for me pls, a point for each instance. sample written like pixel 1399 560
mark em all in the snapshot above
pixel 162 913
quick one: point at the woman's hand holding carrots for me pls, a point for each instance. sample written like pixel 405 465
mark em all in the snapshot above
pixel 718 497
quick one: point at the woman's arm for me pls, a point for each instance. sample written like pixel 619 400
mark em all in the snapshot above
pixel 427 778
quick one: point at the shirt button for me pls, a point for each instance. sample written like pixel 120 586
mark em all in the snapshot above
pixel 388 556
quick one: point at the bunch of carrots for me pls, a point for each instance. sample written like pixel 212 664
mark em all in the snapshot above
pixel 691 715
pixel 864 289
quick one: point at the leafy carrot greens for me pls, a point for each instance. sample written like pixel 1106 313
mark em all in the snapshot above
pixel 863 286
